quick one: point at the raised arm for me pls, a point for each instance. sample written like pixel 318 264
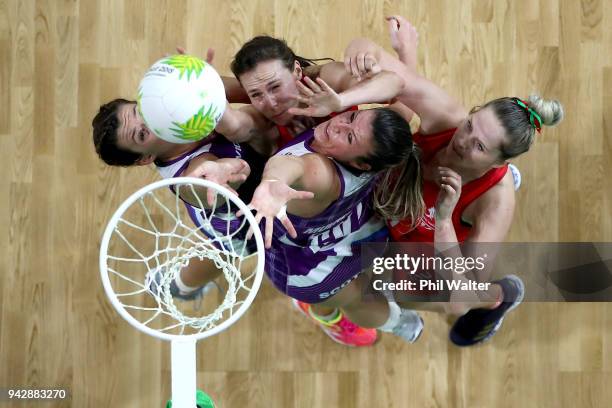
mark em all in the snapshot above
pixel 490 216
pixel 227 172
pixel 301 185
pixel 242 125
pixel 342 91
pixel 436 108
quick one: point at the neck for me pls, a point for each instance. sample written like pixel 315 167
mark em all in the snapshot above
pixel 446 159
pixel 175 150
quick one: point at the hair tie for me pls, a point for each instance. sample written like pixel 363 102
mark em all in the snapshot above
pixel 534 118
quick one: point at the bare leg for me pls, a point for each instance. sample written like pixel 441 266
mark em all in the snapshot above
pixel 199 272
pixel 366 311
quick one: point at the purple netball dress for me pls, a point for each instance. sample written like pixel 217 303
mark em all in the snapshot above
pixel 325 256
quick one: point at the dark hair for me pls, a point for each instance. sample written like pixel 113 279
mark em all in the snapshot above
pixel 398 191
pixel 105 125
pixel 264 48
pixel 515 120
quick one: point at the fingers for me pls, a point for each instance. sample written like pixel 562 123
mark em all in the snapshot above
pixel 258 218
pixel 238 165
pixel 236 177
pixel 312 85
pixel 347 63
pixel 448 189
pixel 268 232
pixel 240 213
pixel 354 69
pixel 300 111
pixel 324 85
pixel 211 196
pixel 393 24
pixel 402 21
pixel 288 226
pixel 210 55
pixel 371 65
pixel 398 20
pixel 304 90
pixel 301 195
pixel 361 65
pixel 447 172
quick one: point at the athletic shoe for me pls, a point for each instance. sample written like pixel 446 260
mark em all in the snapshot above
pixel 480 325
pixel 410 326
pixel 516 176
pixel 153 284
pixel 340 329
pixel 203 400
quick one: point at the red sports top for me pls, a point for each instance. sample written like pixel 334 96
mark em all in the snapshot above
pixel 424 232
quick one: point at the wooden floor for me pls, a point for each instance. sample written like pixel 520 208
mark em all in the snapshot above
pixel 59 60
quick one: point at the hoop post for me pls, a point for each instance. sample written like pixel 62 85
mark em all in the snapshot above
pixel 183 372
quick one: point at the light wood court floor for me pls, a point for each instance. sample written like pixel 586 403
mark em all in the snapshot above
pixel 60 59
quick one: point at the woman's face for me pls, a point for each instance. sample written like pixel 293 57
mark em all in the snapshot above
pixel 133 135
pixel 478 141
pixel 272 89
pixel 346 137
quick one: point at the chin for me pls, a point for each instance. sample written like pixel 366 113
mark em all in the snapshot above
pixel 283 120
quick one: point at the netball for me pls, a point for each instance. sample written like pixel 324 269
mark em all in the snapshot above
pixel 181 98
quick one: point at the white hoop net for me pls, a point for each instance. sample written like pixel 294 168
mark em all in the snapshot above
pixel 152 237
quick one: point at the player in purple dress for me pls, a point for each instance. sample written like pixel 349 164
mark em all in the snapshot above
pixel 316 197
pixel 122 139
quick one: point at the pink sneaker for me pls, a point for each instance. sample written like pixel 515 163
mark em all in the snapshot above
pixel 341 329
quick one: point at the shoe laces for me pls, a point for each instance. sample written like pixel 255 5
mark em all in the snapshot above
pixel 347 326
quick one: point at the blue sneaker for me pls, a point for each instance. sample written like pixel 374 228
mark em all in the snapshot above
pixel 480 325
pixel 153 282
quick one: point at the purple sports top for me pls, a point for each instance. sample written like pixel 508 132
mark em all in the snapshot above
pixel 325 256
pixel 222 148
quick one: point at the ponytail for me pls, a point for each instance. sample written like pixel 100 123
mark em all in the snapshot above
pixel 399 191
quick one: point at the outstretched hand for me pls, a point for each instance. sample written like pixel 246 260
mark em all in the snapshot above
pixel 270 200
pixel 222 172
pixel 320 99
pixel 404 39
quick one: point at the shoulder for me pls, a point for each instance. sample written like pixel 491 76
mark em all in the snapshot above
pixel 258 118
pixel 312 71
pixel 320 173
pixel 492 212
pixel 336 76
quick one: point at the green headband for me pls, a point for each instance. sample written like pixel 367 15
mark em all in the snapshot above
pixel 534 118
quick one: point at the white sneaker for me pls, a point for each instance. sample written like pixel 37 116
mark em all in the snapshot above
pixel 410 326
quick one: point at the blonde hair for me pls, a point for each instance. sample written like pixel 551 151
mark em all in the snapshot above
pixel 399 190
pixel 516 121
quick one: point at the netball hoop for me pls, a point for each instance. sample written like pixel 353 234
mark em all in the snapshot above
pixel 147 243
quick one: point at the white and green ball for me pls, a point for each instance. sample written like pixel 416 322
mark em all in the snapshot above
pixel 181 98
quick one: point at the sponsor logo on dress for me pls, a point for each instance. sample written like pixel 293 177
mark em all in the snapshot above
pixel 428 221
